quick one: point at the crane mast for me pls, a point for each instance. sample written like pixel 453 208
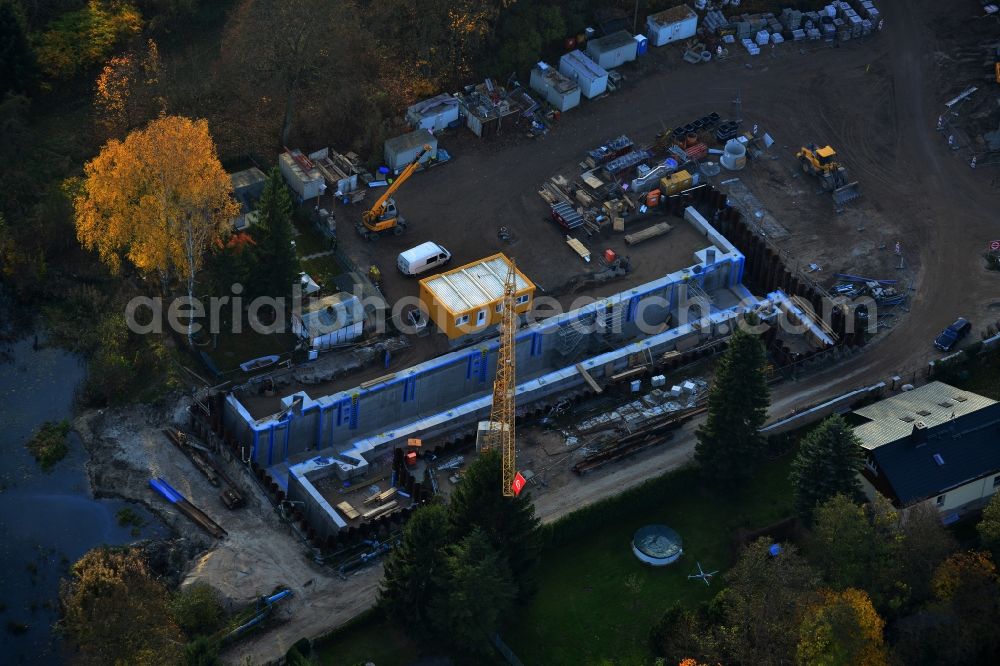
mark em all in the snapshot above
pixel 501 431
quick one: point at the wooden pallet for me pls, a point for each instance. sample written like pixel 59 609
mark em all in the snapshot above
pixel 347 510
pixel 579 248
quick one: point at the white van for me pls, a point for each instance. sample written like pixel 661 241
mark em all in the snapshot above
pixel 422 258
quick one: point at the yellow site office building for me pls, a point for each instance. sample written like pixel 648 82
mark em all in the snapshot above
pixel 466 300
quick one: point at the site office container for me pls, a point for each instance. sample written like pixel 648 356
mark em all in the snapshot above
pixel 671 25
pixel 304 178
pixel 400 151
pixel 435 114
pixel 616 49
pixel 466 300
pixel 330 321
pixel 591 77
pixel 559 90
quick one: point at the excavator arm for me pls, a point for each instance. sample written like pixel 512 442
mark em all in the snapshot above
pixel 377 208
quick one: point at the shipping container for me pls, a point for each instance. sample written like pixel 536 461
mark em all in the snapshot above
pixel 559 91
pixel 614 50
pixel 400 151
pixel 591 77
pixel 671 25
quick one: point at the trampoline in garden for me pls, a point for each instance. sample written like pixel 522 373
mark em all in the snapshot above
pixel 657 545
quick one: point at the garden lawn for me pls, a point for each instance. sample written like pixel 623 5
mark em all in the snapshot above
pixel 235 348
pixel 323 270
pixel 370 638
pixel 308 239
pixel 982 376
pixel 597 601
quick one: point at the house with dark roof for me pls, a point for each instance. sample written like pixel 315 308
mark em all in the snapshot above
pixel 935 445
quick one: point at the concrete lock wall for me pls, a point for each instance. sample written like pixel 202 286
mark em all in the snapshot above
pixel 433 390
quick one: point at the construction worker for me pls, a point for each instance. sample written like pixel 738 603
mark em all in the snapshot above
pixel 940 125
pixel 755 129
pixel 951 140
pixel 973 162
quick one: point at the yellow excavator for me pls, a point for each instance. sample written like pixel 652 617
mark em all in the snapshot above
pixel 822 163
pixel 383 217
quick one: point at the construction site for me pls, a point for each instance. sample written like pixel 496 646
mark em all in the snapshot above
pixel 595 269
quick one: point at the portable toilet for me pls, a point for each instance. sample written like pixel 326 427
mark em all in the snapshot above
pixel 642 45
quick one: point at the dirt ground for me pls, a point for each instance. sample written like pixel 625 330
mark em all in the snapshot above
pixel 876 102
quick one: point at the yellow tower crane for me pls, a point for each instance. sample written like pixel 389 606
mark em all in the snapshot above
pixel 501 431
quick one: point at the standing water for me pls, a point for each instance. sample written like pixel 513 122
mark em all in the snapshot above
pixel 47 520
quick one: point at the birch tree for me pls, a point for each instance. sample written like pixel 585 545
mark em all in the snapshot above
pixel 158 200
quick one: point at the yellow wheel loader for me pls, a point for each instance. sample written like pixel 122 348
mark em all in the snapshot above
pixel 822 163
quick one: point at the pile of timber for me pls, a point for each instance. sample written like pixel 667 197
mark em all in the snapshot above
pixel 380 510
pixel 381 497
pixel 657 432
pixel 644 235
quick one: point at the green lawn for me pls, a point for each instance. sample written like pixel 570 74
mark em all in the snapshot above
pixel 371 638
pixel 597 601
pixel 323 270
pixel 309 240
pixel 235 348
pixel 982 376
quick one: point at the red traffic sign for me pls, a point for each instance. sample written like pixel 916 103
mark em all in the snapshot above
pixel 995 246
pixel 518 485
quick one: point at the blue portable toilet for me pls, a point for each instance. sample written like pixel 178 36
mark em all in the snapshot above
pixel 641 44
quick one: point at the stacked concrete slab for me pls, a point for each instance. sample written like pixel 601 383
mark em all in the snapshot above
pixel 839 20
pixel 714 21
pixel 791 19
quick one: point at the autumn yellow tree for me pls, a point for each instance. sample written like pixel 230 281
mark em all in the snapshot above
pixel 159 199
pixel 959 570
pixel 126 91
pixel 842 629
pixel 80 39
pixel 118 613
